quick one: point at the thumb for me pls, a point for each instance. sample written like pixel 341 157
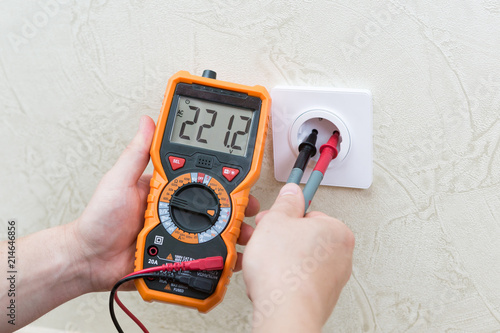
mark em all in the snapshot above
pixel 134 159
pixel 290 201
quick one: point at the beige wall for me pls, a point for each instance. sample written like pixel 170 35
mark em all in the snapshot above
pixel 428 233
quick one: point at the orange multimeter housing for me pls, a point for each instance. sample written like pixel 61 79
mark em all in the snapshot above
pixel 207 153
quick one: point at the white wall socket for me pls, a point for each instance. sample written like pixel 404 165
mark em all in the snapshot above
pixel 296 111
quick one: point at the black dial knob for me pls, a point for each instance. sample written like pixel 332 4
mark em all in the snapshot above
pixel 194 208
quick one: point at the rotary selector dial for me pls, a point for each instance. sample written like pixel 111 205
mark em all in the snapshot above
pixel 194 208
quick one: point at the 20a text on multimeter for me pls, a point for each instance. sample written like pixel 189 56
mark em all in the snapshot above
pixel 207 152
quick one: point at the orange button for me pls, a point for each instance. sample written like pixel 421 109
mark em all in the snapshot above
pixel 176 162
pixel 230 173
pixel 211 212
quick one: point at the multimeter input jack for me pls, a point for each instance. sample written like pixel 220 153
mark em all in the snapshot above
pixel 153 251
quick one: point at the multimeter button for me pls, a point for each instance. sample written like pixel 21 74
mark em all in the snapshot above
pixel 176 162
pixel 230 173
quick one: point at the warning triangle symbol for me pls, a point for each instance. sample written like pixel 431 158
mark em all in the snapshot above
pixel 169 257
pixel 168 287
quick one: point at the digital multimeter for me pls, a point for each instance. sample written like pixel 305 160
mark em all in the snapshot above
pixel 207 152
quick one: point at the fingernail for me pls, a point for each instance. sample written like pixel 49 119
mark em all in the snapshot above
pixel 289 189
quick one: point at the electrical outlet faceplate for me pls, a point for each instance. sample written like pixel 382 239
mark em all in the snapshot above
pixel 298 110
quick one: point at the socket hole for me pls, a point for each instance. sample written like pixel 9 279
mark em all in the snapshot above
pixel 324 128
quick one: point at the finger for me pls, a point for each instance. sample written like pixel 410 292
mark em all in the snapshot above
pixel 239 262
pixel 290 201
pixel 260 216
pixel 253 206
pixel 143 185
pixel 134 159
pixel 246 232
pixel 144 180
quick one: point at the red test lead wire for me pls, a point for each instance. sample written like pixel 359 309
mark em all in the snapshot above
pixel 205 264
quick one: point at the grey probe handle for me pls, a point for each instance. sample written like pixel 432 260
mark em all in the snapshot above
pixel 311 187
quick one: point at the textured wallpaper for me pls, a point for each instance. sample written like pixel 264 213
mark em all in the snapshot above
pixel 75 77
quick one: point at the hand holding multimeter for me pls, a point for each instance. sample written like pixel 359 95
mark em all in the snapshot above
pixel 207 151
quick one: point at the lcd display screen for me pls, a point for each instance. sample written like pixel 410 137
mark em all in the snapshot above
pixel 214 126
